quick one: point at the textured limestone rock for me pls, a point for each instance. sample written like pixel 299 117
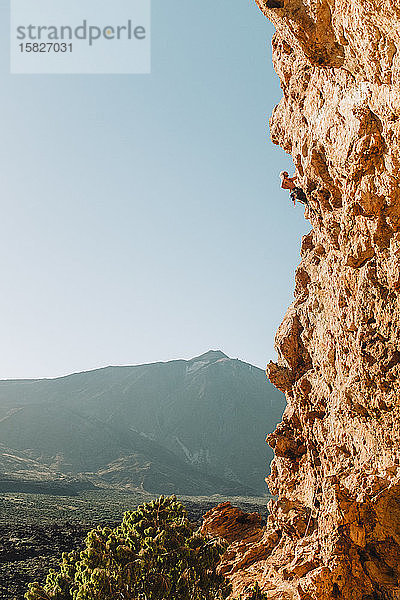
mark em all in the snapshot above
pixel 336 472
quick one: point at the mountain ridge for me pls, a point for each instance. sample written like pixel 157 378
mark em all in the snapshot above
pixel 128 366
pixel 181 416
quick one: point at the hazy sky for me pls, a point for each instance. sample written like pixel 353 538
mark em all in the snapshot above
pixel 142 218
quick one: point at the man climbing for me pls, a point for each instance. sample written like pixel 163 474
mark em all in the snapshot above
pixel 296 193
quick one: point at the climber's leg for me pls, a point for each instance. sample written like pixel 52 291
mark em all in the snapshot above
pixel 274 4
pixel 300 195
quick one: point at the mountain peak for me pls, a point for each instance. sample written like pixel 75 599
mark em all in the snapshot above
pixel 210 356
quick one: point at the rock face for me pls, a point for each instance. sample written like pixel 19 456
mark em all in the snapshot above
pixel 334 530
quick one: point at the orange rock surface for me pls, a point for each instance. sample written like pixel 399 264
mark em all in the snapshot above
pixel 334 530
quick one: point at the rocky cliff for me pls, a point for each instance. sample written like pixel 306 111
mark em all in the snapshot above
pixel 334 530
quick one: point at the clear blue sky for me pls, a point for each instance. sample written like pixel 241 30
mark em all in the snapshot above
pixel 142 218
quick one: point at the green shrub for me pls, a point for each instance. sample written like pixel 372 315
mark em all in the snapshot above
pixel 256 593
pixel 155 554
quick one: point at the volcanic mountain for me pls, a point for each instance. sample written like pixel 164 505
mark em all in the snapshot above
pixel 181 426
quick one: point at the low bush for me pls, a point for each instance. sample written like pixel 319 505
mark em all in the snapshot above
pixel 155 554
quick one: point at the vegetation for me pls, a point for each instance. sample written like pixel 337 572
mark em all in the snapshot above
pixel 155 554
pixel 256 593
pixel 35 529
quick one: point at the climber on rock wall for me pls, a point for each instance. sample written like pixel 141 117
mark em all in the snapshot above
pixel 296 193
